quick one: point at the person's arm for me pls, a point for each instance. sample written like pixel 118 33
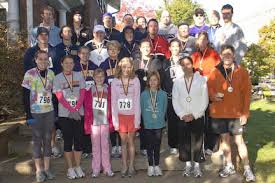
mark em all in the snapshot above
pixel 211 84
pixel 88 114
pixel 114 98
pixel 165 49
pixel 26 84
pixel 246 93
pixel 109 110
pixel 176 100
pixel 137 103
pixel 81 93
pixel 142 107
pixel 165 104
pixel 203 102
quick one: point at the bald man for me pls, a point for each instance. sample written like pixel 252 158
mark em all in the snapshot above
pixel 166 28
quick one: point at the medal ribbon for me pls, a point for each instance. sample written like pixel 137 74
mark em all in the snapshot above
pixel 188 88
pixel 70 84
pixel 153 101
pixel 46 78
pixel 125 89
pixel 201 60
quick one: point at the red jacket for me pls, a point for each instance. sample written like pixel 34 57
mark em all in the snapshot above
pixel 88 111
pixel 160 46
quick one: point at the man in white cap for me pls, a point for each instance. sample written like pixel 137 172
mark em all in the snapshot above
pixel 166 28
pixel 98 49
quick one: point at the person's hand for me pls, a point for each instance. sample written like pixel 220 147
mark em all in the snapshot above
pixel 75 115
pixel 243 120
pixel 186 118
pixel 190 117
pixel 218 97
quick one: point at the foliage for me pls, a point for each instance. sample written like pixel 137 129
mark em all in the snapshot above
pixel 180 10
pixel 11 74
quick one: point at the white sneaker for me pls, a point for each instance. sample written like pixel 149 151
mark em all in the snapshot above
pixel 56 152
pixel 158 171
pixel 79 172
pixel 173 151
pixel 143 152
pixel 197 172
pixel 110 173
pixel 114 151
pixel 119 151
pixel 249 176
pixel 150 171
pixel 71 174
pixel 58 135
pixel 208 152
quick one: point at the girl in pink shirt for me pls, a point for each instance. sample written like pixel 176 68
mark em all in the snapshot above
pixel 125 99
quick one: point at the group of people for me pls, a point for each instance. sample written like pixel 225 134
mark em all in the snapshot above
pixel 102 88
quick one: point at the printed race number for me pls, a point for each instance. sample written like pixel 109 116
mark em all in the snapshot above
pixel 100 105
pixel 43 99
pixel 72 101
pixel 125 104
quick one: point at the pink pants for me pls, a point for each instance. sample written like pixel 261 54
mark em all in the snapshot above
pixel 100 147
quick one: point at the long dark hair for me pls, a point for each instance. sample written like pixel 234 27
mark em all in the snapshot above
pixel 190 60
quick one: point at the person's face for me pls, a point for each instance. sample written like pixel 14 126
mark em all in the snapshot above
pixel 184 31
pixel 153 82
pixel 99 78
pixel 129 35
pixel 199 19
pixel 107 21
pixel 84 54
pixel 227 15
pixel 141 23
pixel 187 66
pixel 175 48
pixel 145 48
pixel 68 65
pixel 128 21
pixel 126 69
pixel 227 57
pixel 213 19
pixel 113 51
pixel 165 18
pixel 77 18
pixel 99 35
pixel 153 28
pixel 66 33
pixel 42 61
pixel 43 38
pixel 202 42
pixel 47 16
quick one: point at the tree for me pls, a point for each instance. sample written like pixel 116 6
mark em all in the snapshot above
pixel 180 10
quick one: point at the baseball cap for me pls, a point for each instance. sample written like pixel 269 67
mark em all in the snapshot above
pixel 107 15
pixel 99 28
pixel 41 30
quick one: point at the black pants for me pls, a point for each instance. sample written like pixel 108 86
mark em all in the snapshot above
pixel 172 126
pixel 186 130
pixel 114 136
pixel 211 140
pixel 142 136
pixel 153 142
pixel 87 144
pixel 72 131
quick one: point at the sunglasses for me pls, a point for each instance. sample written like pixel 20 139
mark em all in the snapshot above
pixel 199 15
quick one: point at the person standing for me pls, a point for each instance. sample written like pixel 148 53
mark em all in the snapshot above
pixel 141 29
pixel 188 43
pixel 47 15
pixel 214 19
pixel 166 27
pixel 229 89
pixel 170 71
pixel 80 33
pixel 231 34
pixel 98 50
pixel 69 88
pixel 38 83
pixel 111 32
pixel 199 19
pixel 98 123
pixel 153 109
pixel 125 99
pixel 190 100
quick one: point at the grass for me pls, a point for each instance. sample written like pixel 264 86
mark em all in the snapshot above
pixel 261 140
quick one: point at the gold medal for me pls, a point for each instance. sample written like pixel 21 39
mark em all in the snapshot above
pixel 188 88
pixel 230 89
pixel 154 116
pixel 154 104
pixel 188 99
pixel 229 79
pixel 145 78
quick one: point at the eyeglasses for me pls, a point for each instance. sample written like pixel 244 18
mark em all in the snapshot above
pixel 199 15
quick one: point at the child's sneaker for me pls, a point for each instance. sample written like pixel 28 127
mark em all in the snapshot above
pixel 150 171
pixel 49 175
pixel 40 176
pixel 249 176
pixel 158 171
pixel 71 174
pixel 110 173
pixel 79 172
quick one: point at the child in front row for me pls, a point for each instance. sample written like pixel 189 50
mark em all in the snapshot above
pixel 98 123
pixel 153 110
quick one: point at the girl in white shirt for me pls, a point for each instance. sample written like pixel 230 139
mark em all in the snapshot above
pixel 190 100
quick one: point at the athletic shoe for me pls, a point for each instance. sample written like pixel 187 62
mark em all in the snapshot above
pixel 114 151
pixel 187 171
pixel 109 173
pixel 208 152
pixel 58 135
pixel 150 171
pixel 79 172
pixel 249 176
pixel 56 153
pixel 49 175
pixel 94 175
pixel 71 174
pixel 143 152
pixel 173 151
pixel 158 171
pixel 85 155
pixel 119 151
pixel 131 172
pixel 227 171
pixel 40 176
pixel 197 172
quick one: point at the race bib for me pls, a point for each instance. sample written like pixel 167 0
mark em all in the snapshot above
pixel 44 99
pixel 102 106
pixel 125 104
pixel 50 63
pixel 72 101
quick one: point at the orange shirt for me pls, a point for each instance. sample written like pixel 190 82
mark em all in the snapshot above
pixel 208 60
pixel 234 104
